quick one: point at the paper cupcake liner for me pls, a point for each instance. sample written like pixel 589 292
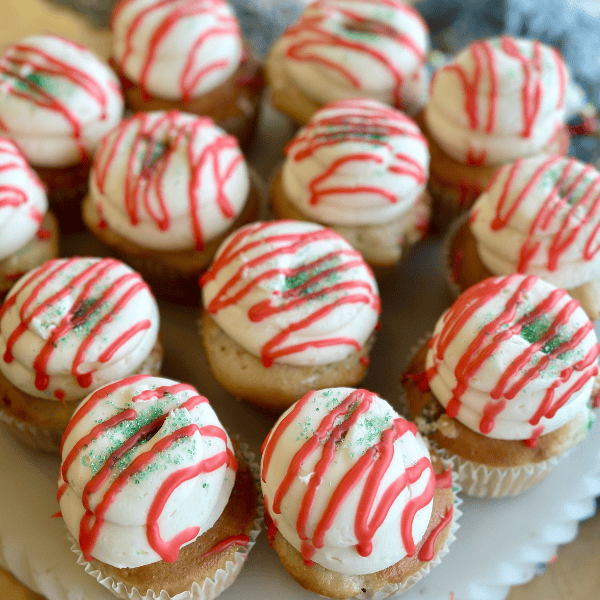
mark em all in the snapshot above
pixel 33 436
pixel 210 587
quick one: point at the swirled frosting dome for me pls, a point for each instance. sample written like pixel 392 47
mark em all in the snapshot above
pixel 292 292
pixel 357 162
pixel 348 48
pixel 57 100
pixel 498 100
pixel 513 358
pixel 146 468
pixel 341 475
pixel 541 215
pixel 23 201
pixel 169 180
pixel 176 50
pixel 73 325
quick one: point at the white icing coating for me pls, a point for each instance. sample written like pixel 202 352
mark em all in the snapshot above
pixel 542 216
pixel 350 48
pixel 498 100
pixel 57 100
pixel 72 325
pixel 357 162
pixel 23 201
pixel 303 437
pixel 293 292
pixel 169 180
pixel 176 50
pixel 185 465
pixel 516 355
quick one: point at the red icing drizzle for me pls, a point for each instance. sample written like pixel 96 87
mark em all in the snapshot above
pixel 158 141
pixel 427 551
pixel 234 540
pixel 309 49
pixel 372 465
pixel 124 290
pixel 569 225
pixel 93 520
pixel 191 76
pixel 521 370
pixel 300 294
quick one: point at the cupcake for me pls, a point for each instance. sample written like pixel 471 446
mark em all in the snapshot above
pixel 28 232
pixel 166 188
pixel 356 504
pixel 188 56
pixel 345 49
pixel 155 495
pixel 499 100
pixel 288 306
pixel 57 100
pixel 359 167
pixel 504 387
pixel 538 216
pixel 67 328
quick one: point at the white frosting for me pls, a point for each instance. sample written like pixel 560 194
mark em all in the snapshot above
pixel 541 216
pixel 169 180
pixel 357 162
pixel 179 49
pixel 23 201
pixel 260 290
pixel 57 100
pixel 351 48
pixel 460 338
pixel 196 501
pixel 94 319
pixel 515 91
pixel 339 551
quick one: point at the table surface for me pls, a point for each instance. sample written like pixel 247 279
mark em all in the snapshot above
pixel 575 574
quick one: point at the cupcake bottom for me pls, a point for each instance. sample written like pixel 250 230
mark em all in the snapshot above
pixel 455 185
pixel 204 568
pixel 276 387
pixel 43 247
pixel 40 423
pixel 465 268
pixel 487 467
pixel 172 275
pixel 394 579
pixel 382 245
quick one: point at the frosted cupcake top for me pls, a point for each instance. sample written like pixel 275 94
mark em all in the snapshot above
pixel 513 358
pixel 346 48
pixel 347 481
pixel 542 216
pixel 498 100
pixel 356 162
pixel 146 468
pixel 72 325
pixel 57 100
pixel 169 180
pixel 23 201
pixel 176 50
pixel 292 292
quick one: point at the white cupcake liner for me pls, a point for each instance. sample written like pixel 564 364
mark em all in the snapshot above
pixel 210 587
pixel 33 436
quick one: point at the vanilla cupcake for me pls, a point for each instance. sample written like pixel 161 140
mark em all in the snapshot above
pixel 67 328
pixel 28 232
pixel 499 100
pixel 166 188
pixel 289 306
pixel 350 48
pixel 155 495
pixel 357 506
pixel 57 100
pixel 189 56
pixel 504 387
pixel 361 168
pixel 541 216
